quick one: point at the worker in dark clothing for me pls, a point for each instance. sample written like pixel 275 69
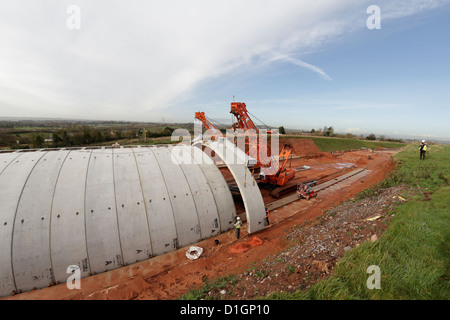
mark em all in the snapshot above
pixel 267 217
pixel 423 149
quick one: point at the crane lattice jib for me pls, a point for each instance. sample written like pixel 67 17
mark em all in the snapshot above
pixel 244 122
pixel 208 124
pixel 239 110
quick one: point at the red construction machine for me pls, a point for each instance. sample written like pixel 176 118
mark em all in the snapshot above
pixel 243 121
pixel 306 190
pixel 208 125
pixel 278 180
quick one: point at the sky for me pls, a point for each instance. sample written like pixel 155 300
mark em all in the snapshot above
pixel 295 63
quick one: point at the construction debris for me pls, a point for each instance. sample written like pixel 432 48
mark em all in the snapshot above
pixel 403 199
pixel 194 252
pixel 373 218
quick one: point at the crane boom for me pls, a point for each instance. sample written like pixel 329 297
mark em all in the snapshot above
pixel 239 110
pixel 208 124
pixel 243 122
pixel 283 175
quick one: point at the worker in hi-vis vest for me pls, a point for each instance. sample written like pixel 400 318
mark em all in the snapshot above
pixel 423 149
pixel 238 225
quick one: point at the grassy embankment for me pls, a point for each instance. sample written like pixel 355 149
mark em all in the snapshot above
pixel 414 253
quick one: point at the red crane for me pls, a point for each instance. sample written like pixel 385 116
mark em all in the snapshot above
pixel 283 174
pixel 208 125
pixel 254 144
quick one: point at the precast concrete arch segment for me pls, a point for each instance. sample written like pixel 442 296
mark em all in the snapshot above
pixel 68 217
pixel 205 204
pixel 12 182
pixel 160 218
pixel 236 161
pixel 31 256
pixel 100 209
pixel 131 211
pixel 102 229
pixel 219 188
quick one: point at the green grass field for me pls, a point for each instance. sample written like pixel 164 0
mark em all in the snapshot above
pixel 339 144
pixel 413 255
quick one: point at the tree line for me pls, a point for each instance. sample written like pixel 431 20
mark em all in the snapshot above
pixel 74 137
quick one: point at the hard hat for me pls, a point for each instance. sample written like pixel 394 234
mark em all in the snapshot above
pixel 238 218
pixel 423 141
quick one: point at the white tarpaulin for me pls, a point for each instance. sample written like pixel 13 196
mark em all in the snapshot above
pixel 194 252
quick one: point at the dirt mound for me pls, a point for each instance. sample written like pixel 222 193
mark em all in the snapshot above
pixel 302 147
pixel 244 246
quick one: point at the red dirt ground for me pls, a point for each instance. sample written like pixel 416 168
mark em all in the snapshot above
pixel 302 147
pixel 171 275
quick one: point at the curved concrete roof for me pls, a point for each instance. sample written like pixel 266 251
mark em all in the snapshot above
pixel 101 209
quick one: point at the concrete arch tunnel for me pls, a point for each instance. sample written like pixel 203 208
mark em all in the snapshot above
pixel 103 208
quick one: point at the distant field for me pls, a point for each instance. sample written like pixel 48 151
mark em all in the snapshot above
pixel 32 134
pixel 339 144
pixel 36 134
pixel 135 142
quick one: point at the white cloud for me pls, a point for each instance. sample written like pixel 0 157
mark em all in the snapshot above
pixel 302 64
pixel 400 9
pixel 132 58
